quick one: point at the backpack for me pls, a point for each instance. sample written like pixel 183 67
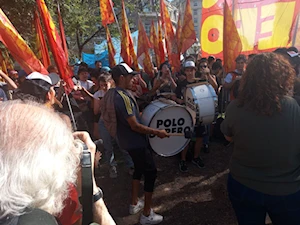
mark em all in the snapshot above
pixel 32 217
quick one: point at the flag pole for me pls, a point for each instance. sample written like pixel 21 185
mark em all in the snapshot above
pixel 118 25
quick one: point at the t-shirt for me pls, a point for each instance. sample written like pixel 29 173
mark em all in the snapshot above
pixel 99 94
pixel 266 155
pixel 86 84
pixel 229 78
pixel 181 87
pixel 126 107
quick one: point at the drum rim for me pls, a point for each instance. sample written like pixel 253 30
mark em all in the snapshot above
pixel 186 143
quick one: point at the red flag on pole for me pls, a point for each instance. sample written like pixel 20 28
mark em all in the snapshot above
pixel 232 44
pixel 111 49
pixel 188 34
pixel 55 43
pixel 43 54
pixel 127 48
pixel 162 51
pixel 171 42
pixel 143 55
pixel 18 48
pixel 107 14
pixel 178 33
pixel 62 32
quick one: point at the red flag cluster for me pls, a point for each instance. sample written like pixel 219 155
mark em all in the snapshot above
pixel 18 48
pixel 56 46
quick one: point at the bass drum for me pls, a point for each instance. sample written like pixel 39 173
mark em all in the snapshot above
pixel 173 118
pixel 201 101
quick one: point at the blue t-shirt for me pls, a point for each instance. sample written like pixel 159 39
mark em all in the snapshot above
pixel 125 107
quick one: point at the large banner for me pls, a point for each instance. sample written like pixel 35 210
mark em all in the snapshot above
pixel 262 25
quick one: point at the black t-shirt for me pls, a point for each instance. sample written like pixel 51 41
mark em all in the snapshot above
pixel 181 87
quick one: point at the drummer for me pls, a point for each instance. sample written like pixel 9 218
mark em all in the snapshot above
pixel 164 82
pixel 200 130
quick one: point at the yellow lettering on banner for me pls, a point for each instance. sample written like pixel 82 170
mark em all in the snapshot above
pixel 208 3
pixel 212 34
pixel 277 27
pixel 246 27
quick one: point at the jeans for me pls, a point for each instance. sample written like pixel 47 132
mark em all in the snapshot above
pixel 251 206
pixel 108 148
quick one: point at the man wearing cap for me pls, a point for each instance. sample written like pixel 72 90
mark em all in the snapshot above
pixel 200 130
pixel 38 87
pixel 131 135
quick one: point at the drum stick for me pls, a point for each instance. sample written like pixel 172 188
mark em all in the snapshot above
pixel 176 134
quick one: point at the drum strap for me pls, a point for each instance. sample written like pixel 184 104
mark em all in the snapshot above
pixel 134 100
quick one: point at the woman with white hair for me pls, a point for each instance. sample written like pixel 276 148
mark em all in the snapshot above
pixel 39 160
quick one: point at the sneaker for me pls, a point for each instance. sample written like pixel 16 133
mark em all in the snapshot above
pixel 113 172
pixel 153 218
pixel 205 149
pixel 182 166
pixel 134 209
pixel 198 162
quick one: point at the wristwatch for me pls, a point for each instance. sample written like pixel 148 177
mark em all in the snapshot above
pixel 98 195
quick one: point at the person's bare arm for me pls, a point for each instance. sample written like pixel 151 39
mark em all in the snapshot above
pixel 96 106
pixel 228 86
pixel 100 212
pixel 213 82
pixel 230 139
pixel 11 84
pixel 142 82
pixel 140 128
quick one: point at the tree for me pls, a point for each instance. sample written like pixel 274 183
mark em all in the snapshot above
pixel 82 20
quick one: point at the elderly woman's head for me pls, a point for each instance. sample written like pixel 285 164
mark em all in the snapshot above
pixel 267 79
pixel 38 158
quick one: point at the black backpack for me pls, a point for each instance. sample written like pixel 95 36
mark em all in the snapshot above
pixel 32 217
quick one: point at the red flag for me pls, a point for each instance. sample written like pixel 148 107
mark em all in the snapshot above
pixel 43 54
pixel 171 43
pixel 106 9
pixel 162 52
pixel 143 55
pixel 111 49
pixel 62 33
pixel 188 34
pixel 154 43
pixel 7 60
pixel 127 48
pixel 2 63
pixel 232 44
pixel 178 33
pixel 18 48
pixel 55 43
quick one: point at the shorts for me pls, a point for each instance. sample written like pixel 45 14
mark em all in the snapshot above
pixel 200 131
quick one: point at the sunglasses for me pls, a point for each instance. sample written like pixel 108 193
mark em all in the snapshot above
pixel 203 66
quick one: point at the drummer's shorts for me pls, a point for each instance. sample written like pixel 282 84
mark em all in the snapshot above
pixel 200 131
pixel 144 165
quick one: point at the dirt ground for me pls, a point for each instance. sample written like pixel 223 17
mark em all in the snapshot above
pixel 197 197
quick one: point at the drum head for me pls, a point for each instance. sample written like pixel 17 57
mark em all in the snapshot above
pixel 201 103
pixel 174 119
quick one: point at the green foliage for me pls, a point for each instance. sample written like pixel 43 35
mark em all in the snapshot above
pixel 82 20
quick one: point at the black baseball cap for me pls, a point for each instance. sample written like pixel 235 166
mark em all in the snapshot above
pixel 122 69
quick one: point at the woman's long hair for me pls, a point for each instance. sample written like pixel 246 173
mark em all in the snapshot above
pixel 267 79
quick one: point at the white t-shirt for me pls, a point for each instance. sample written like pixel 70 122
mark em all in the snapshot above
pixel 99 94
pixel 86 84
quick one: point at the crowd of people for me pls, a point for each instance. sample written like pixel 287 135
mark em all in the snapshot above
pixel 260 98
